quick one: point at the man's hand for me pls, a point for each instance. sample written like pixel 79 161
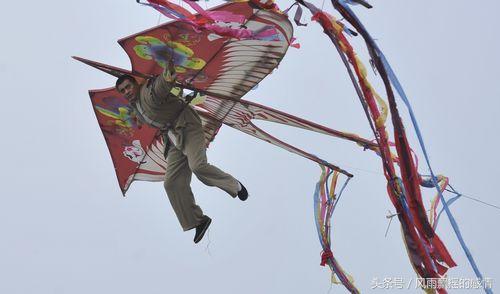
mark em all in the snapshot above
pixel 170 70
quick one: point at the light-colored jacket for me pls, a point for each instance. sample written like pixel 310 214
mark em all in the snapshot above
pixel 159 107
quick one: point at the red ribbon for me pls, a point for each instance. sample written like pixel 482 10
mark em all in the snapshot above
pixel 325 255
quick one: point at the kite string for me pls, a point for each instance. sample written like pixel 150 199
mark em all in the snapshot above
pixel 207 248
pixel 449 202
pixel 474 199
pixel 367 171
pixel 159 19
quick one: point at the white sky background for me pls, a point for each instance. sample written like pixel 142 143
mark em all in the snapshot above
pixel 65 228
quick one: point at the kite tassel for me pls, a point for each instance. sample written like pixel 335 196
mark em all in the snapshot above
pixel 325 256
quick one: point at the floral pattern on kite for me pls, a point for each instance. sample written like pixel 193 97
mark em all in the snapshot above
pixel 119 117
pixel 150 48
pixel 187 39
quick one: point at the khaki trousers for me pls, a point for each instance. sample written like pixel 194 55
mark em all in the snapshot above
pixel 182 161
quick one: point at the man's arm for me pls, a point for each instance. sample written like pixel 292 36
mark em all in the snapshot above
pixel 163 84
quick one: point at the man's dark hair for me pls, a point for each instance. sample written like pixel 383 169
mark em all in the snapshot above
pixel 123 78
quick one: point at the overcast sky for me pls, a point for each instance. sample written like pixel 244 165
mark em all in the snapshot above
pixel 65 228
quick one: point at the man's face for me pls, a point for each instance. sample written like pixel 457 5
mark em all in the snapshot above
pixel 128 89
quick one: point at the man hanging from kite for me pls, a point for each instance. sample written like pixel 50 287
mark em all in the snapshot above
pixel 144 117
pixel 159 104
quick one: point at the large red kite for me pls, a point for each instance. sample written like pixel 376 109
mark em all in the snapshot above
pixel 221 67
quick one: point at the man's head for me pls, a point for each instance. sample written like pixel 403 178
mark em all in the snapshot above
pixel 128 86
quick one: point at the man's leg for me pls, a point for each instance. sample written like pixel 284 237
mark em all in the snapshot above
pixel 177 184
pixel 195 151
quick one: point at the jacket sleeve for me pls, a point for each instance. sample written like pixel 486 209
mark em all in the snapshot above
pixel 162 84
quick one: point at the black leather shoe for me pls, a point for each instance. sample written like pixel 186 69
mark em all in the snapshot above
pixel 201 229
pixel 243 193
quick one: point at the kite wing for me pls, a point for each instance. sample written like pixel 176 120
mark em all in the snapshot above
pixel 209 62
pixel 204 61
pixel 136 150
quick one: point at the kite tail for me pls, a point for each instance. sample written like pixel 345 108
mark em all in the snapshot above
pixel 217 22
pixel 426 251
pixel 170 9
pixel 325 200
pixel 390 78
pixel 443 183
pixel 407 167
pixel 224 16
pixel 266 5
